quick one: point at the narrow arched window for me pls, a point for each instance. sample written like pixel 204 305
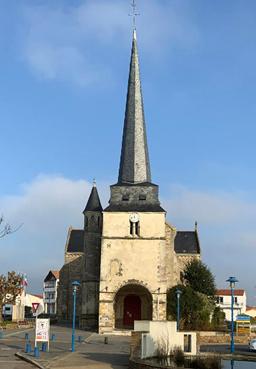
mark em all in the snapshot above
pixel 137 228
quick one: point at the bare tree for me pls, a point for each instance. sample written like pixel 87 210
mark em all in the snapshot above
pixel 6 228
pixel 10 288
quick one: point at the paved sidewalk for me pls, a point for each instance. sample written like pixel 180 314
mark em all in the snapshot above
pixel 92 353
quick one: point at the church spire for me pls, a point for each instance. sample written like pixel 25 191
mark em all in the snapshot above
pixel 93 203
pixel 134 163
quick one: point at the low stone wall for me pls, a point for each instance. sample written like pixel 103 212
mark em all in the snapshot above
pixel 135 345
pixel 140 364
pixel 221 338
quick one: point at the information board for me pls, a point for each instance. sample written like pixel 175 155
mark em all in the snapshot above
pixel 42 331
pixel 243 325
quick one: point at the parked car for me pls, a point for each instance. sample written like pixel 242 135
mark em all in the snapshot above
pixel 252 344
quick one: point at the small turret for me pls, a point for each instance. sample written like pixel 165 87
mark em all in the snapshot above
pixel 93 212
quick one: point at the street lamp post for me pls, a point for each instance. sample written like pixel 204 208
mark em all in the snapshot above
pixel 178 293
pixel 232 281
pixel 75 286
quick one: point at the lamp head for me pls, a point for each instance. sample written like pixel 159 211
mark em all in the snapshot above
pixel 178 292
pixel 232 281
pixel 75 285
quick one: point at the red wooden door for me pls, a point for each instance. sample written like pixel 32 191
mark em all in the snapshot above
pixel 132 309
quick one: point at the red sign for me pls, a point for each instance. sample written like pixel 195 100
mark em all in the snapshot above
pixel 35 306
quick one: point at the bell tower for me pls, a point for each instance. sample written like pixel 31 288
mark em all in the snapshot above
pixel 92 246
pixel 133 246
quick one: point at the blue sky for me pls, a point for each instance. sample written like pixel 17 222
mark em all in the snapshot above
pixel 62 97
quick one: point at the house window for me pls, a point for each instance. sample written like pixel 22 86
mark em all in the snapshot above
pixel 125 198
pixel 142 197
pixel 235 300
pixel 219 300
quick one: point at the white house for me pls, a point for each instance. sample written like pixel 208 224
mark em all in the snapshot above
pixel 251 311
pixel 22 306
pixel 51 282
pixel 223 300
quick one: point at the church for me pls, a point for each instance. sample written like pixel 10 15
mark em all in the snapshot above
pixel 127 255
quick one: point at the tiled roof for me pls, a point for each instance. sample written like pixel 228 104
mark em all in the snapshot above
pixel 76 241
pixel 227 292
pixel 186 242
pixel 250 308
pixel 56 273
pixel 51 274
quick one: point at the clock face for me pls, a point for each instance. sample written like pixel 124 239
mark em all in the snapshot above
pixel 134 217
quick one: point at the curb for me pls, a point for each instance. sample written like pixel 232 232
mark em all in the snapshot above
pixel 28 360
pixel 88 339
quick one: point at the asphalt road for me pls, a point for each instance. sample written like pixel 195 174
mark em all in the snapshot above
pixel 12 342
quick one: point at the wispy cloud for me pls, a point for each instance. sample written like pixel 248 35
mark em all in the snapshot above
pixel 49 204
pixel 72 43
pixel 47 207
pixel 226 229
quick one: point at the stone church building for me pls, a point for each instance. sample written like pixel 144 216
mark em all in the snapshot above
pixel 127 255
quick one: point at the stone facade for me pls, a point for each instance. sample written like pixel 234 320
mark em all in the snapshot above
pixel 127 256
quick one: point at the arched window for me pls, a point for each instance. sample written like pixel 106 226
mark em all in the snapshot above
pixel 86 221
pixel 134 228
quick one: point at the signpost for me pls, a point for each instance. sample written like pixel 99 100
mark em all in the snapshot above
pixel 42 331
pixel 243 324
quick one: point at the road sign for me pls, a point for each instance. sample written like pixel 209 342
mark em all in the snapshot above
pixel 35 306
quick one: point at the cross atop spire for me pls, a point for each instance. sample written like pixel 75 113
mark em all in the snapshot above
pixel 134 13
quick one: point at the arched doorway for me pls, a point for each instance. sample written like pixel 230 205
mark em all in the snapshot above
pixel 132 302
pixel 132 310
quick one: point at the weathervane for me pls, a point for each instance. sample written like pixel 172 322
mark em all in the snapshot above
pixel 134 13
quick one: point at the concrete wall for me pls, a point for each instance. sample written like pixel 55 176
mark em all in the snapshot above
pixel 162 334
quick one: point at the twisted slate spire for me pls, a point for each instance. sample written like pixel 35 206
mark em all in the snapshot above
pixel 134 163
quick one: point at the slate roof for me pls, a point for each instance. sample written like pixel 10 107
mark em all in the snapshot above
pixel 186 242
pixel 134 162
pixel 93 203
pixel 227 292
pixel 76 241
pixel 135 207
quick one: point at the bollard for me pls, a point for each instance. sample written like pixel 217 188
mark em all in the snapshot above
pixel 44 346
pixel 1 334
pixel 106 340
pixel 26 336
pixel 36 352
pixel 53 337
pixel 28 348
pixel 80 338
